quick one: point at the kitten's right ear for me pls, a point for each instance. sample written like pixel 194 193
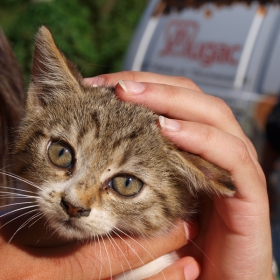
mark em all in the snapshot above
pixel 51 72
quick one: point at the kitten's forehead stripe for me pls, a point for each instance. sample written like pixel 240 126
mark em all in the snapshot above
pixel 82 132
pixel 34 137
pixel 96 120
pixel 125 157
pixel 133 135
pixel 38 133
pixel 117 143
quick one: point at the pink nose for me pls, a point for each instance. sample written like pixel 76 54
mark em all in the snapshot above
pixel 74 211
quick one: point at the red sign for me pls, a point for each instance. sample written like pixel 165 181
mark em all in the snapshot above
pixel 180 41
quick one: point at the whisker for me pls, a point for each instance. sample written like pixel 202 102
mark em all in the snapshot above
pixel 13 198
pixel 91 240
pixel 19 209
pixel 109 260
pixel 48 220
pixel 21 179
pixel 54 231
pixel 23 225
pixel 173 225
pixel 17 189
pixel 108 238
pixel 112 239
pixel 100 254
pixel 25 213
pixel 20 195
pixel 124 233
pixel 134 250
pixel 18 203
pixel 40 215
pixel 9 195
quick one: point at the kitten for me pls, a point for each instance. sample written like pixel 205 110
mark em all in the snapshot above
pixel 101 164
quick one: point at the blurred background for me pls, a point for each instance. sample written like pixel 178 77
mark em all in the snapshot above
pixel 93 34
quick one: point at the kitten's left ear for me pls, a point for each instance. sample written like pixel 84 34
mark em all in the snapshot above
pixel 51 72
pixel 202 175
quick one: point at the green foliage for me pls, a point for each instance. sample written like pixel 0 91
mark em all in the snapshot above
pixel 93 34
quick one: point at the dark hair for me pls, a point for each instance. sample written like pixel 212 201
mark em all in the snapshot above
pixel 273 127
pixel 12 99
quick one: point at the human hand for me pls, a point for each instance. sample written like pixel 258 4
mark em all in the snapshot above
pixel 234 239
pixel 51 258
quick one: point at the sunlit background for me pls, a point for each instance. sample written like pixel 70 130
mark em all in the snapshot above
pixel 93 34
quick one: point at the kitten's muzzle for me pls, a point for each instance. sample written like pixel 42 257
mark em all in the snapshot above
pixel 74 211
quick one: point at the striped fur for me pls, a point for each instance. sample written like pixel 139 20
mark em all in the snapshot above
pixel 108 137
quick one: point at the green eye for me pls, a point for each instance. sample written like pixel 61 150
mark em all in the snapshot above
pixel 60 154
pixel 126 185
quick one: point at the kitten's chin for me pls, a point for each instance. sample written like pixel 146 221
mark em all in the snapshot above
pixel 72 229
pixel 69 230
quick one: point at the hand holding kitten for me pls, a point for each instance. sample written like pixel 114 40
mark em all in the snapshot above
pixel 234 238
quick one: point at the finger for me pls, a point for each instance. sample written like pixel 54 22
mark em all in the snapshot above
pixel 184 104
pixel 112 79
pixel 222 149
pixel 184 269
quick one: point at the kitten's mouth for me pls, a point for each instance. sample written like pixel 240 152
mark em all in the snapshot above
pixel 70 225
pixel 70 229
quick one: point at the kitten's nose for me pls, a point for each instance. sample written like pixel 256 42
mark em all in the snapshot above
pixel 74 211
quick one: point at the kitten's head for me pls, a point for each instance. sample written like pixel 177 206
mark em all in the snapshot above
pixel 102 164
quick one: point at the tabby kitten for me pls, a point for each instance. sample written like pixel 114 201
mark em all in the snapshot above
pixel 102 165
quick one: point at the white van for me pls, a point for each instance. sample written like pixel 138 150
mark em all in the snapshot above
pixel 230 51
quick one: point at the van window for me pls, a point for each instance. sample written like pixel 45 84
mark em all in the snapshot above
pixel 194 43
pixel 271 74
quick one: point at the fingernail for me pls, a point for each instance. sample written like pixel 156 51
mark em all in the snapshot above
pixel 169 124
pixel 132 87
pixel 191 271
pixel 95 81
pixel 186 228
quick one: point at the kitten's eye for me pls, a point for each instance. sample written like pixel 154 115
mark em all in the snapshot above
pixel 60 154
pixel 126 185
